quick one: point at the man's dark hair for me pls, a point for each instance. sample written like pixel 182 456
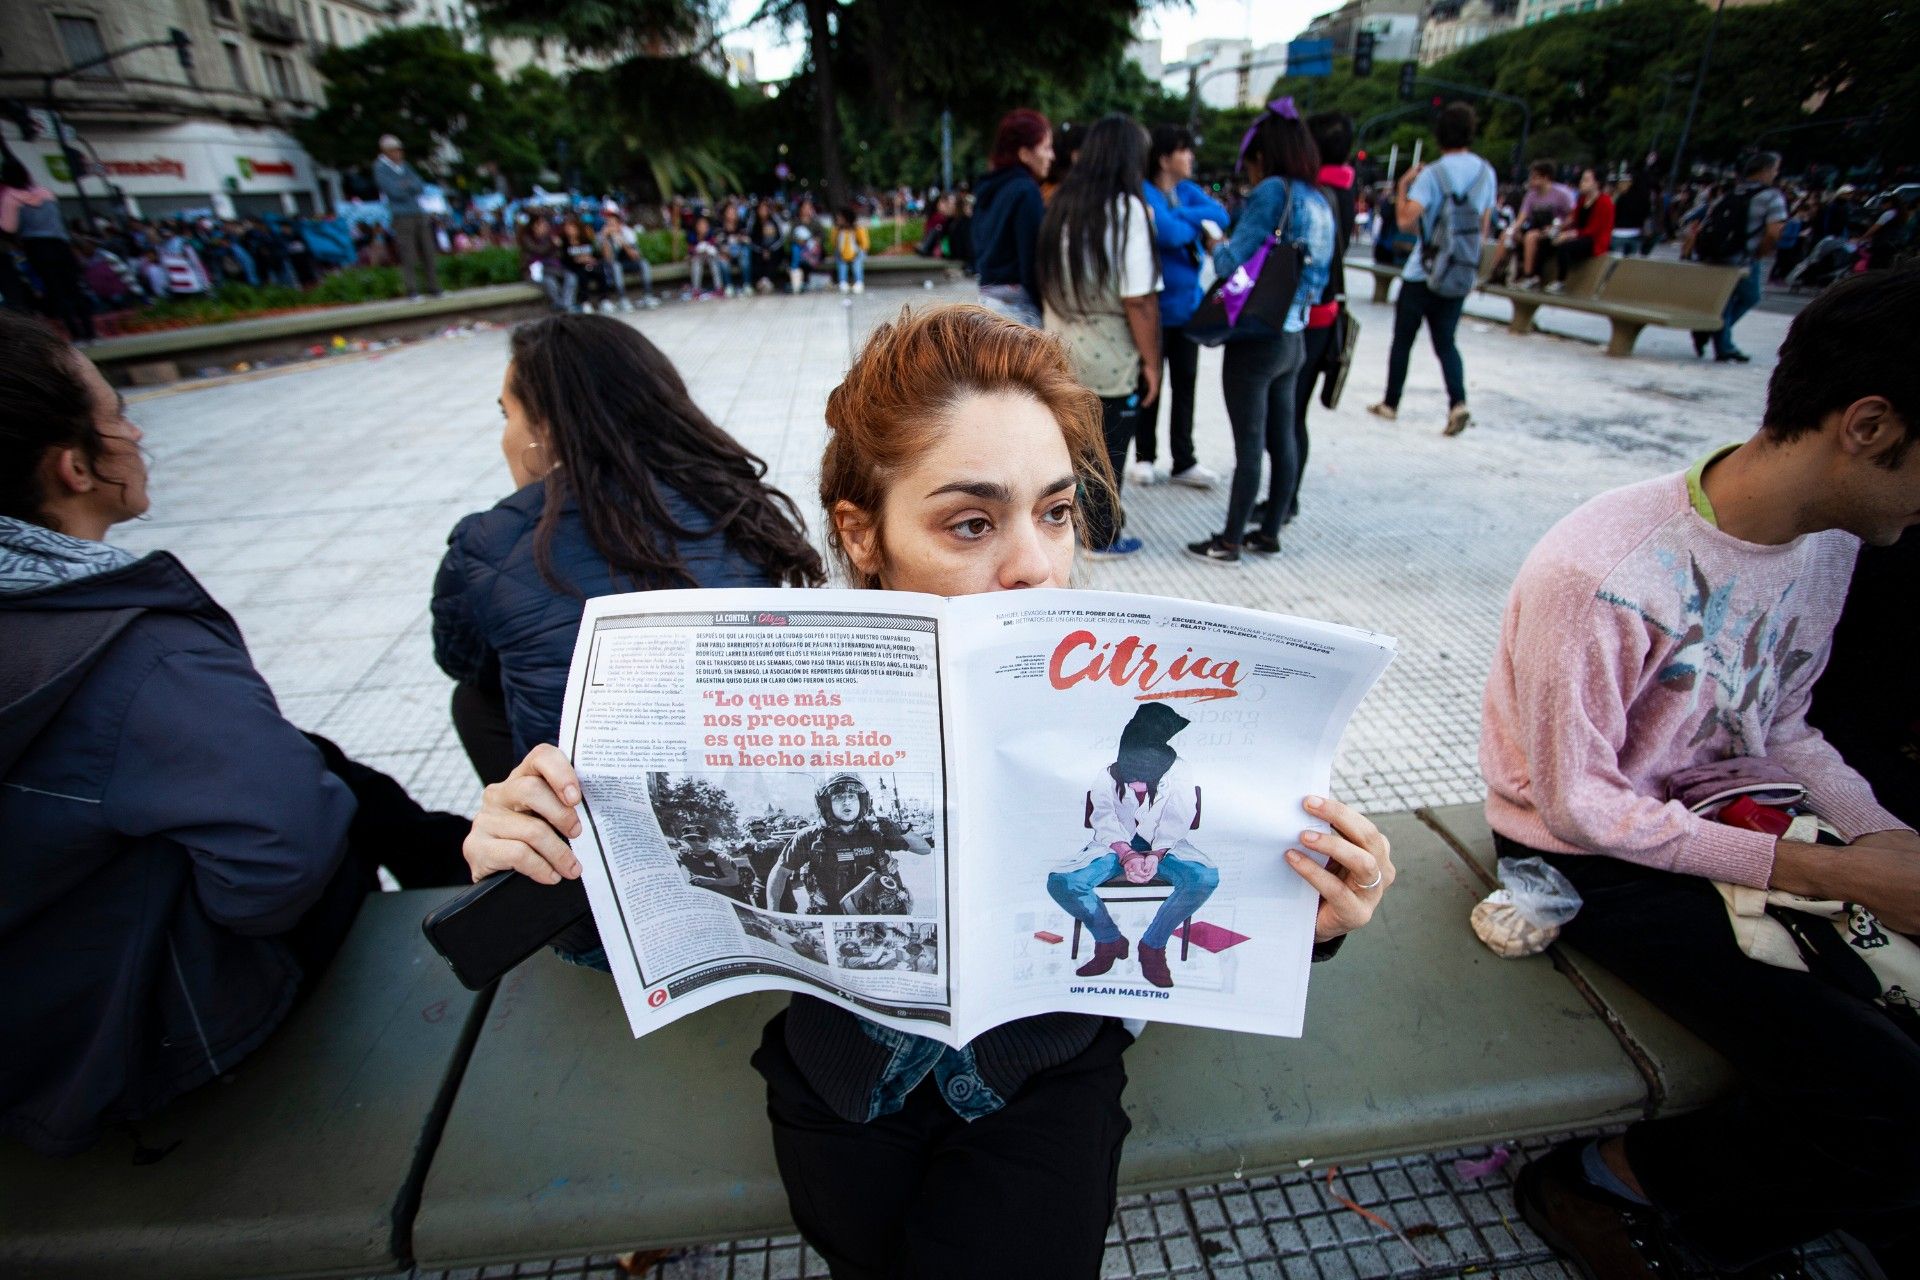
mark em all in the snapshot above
pixel 1333 133
pixel 1167 139
pixel 43 405
pixel 1456 126
pixel 1543 169
pixel 1759 162
pixel 1853 341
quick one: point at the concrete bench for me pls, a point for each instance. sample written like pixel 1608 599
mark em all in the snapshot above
pixel 307 1160
pixel 568 1137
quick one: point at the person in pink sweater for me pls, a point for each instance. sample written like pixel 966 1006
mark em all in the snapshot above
pixel 1681 622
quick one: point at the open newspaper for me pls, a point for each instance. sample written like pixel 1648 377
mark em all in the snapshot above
pixel 933 812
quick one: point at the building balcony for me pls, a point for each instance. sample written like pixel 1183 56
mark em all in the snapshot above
pixel 264 22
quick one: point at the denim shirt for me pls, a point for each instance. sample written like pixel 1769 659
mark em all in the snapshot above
pixel 954 1070
pixel 1310 225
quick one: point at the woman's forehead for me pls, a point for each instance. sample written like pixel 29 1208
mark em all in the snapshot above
pixel 1005 436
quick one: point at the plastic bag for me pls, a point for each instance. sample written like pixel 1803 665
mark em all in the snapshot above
pixel 1524 915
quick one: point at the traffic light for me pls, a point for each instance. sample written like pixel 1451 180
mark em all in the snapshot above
pixel 1408 72
pixel 1363 54
pixel 182 47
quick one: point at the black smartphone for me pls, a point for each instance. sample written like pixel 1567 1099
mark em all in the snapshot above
pixel 490 928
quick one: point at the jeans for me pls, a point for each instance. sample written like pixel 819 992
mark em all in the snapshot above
pixel 1746 295
pixel 858 267
pixel 1825 1132
pixel 741 256
pixel 1183 365
pixel 617 268
pixel 1119 416
pixel 1257 380
pixel 921 1194
pixel 714 267
pixel 1312 358
pixel 413 234
pixel 1193 883
pixel 1417 303
pixel 561 285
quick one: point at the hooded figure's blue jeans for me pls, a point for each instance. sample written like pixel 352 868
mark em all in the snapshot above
pixel 1193 883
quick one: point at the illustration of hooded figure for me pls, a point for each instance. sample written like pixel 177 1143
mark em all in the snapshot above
pixel 1142 809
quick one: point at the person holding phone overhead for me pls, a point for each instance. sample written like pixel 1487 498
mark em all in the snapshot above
pixel 959 444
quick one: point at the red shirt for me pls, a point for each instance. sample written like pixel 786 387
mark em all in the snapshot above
pixel 1596 222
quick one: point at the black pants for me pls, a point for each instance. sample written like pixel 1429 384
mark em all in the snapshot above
pixel 1257 380
pixel 59 271
pixel 1825 1133
pixel 1418 303
pixel 1119 421
pixel 1312 358
pixel 924 1195
pixel 480 722
pixel 1571 253
pixel 1183 366
pixel 421 848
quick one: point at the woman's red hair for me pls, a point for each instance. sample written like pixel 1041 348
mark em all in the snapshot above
pixel 893 403
pixel 1021 127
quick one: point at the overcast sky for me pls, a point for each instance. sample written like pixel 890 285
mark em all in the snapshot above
pixel 1263 21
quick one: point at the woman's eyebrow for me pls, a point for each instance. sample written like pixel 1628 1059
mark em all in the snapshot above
pixel 1067 481
pixel 985 490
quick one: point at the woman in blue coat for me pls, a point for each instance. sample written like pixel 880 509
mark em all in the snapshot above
pixel 1181 208
pixel 622 484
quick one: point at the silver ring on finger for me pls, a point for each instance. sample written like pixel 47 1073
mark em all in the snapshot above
pixel 1375 882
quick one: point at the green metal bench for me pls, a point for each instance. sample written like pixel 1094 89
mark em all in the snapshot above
pixel 306 1160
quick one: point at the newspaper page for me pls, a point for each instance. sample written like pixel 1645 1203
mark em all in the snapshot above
pixel 1128 767
pixel 764 799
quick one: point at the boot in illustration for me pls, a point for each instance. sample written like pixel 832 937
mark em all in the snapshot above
pixel 1153 966
pixel 1104 954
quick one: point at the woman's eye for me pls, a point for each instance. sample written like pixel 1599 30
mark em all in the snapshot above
pixel 1061 514
pixel 978 527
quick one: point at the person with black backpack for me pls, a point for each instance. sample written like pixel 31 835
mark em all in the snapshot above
pixel 1448 204
pixel 1741 229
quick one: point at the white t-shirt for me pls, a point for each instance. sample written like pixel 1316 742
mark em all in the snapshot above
pixel 1098 339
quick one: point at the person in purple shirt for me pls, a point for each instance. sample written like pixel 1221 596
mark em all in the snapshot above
pixel 1545 203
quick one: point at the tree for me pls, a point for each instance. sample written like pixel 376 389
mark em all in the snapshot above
pixel 416 83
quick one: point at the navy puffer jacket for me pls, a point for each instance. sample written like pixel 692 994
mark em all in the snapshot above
pixel 495 617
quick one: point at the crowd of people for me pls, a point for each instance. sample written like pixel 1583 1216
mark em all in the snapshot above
pixel 188 861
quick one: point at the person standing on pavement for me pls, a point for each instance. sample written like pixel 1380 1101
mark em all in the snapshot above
pixel 1182 213
pixel 1741 229
pixel 1098 285
pixel 1259 366
pixel 32 213
pixel 400 186
pixel 1455 183
pixel 1333 134
pixel 1007 211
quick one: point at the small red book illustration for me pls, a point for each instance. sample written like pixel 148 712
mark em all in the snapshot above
pixel 1210 937
pixel 1046 935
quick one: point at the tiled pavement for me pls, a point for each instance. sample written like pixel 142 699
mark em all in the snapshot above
pixel 314 503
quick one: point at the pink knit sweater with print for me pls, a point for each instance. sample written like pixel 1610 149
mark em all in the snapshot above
pixel 1640 640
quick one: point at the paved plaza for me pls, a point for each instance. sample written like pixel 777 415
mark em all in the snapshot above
pixel 314 503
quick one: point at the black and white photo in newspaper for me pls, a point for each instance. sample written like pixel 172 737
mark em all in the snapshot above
pixel 1132 773
pixel 764 799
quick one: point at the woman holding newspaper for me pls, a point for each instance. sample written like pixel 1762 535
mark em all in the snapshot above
pixel 960 444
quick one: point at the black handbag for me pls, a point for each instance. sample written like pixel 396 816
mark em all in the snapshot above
pixel 1262 288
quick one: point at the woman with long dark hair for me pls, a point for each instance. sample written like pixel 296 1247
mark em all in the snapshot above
pixel 1097 284
pixel 1007 210
pixel 622 484
pixel 1258 368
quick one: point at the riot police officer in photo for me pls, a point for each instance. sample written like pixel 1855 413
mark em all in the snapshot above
pixel 846 864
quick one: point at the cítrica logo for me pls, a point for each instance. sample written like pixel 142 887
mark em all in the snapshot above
pixel 656 997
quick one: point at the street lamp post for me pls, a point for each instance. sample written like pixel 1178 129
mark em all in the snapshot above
pixel 1693 102
pixel 182 48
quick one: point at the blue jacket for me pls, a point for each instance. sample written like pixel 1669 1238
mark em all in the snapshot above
pixel 1178 238
pixel 496 618
pixel 1310 226
pixel 1007 210
pixel 163 824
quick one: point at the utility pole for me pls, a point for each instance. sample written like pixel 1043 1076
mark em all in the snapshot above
pixel 946 151
pixel 182 48
pixel 1693 103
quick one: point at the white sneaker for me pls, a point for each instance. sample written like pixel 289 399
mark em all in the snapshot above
pixel 652 301
pixel 1142 473
pixel 415 298
pixel 845 287
pixel 732 292
pixel 606 306
pixel 626 304
pixel 1196 477
pixel 859 286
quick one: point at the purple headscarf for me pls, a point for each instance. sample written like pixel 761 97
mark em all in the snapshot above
pixel 1282 107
